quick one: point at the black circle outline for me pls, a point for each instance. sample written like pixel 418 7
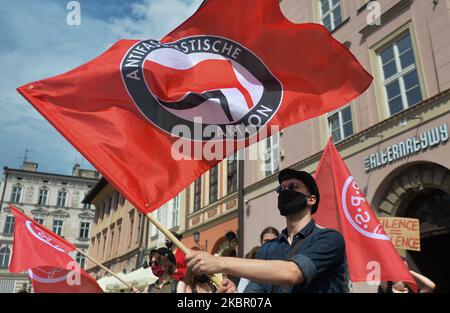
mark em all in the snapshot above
pixel 165 120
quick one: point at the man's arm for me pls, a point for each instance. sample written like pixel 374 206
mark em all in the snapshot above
pixel 271 272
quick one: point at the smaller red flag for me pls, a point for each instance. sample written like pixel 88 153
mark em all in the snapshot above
pixel 370 253
pixel 35 245
pixel 45 255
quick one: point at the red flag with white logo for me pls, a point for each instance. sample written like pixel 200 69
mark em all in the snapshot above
pixel 370 253
pixel 147 113
pixel 45 255
pixel 73 279
pixel 34 245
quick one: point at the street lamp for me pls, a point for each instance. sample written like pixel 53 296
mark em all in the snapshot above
pixel 197 241
pixel 196 237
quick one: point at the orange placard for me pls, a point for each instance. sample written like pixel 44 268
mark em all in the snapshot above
pixel 404 232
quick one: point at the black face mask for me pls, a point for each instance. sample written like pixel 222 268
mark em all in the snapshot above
pixel 169 244
pixel 291 202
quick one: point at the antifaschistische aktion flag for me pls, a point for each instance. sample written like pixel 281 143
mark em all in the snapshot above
pixel 233 63
pixel 343 207
pixel 44 255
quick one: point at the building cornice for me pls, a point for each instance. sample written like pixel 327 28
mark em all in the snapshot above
pixel 52 175
pixel 367 133
pixel 214 204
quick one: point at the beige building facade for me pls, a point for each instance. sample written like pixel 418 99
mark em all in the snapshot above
pixel 52 200
pixel 118 233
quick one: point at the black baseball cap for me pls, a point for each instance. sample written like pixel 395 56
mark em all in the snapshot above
pixel 306 178
pixel 164 252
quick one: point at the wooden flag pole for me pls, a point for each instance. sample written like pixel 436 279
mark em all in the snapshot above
pixel 214 278
pixel 105 268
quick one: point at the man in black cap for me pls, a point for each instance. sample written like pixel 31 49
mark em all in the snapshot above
pixel 304 258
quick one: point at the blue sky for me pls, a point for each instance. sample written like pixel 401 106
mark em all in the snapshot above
pixel 36 43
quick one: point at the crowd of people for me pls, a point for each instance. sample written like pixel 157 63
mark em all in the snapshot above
pixel 303 258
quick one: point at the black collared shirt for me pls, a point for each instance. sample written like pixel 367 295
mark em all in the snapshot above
pixel 320 258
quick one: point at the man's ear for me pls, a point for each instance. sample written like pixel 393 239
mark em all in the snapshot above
pixel 311 200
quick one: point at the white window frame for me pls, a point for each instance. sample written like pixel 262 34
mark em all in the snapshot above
pixel 55 228
pixel 59 197
pixel 83 229
pixel 271 155
pixel 6 257
pixel 81 260
pixel 16 193
pixel 175 211
pixel 400 74
pixel 330 13
pixel 43 194
pixel 341 123
pixel 10 231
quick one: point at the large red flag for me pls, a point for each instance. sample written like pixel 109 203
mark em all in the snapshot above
pixel 45 255
pixel 233 63
pixel 344 207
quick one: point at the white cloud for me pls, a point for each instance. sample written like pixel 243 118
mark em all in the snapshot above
pixel 37 43
pixel 154 18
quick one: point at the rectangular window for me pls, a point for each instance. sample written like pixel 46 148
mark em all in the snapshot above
pixel 119 233
pixel 86 205
pixel 175 210
pixel 81 260
pixel 102 210
pixel 16 193
pixel 116 200
pixel 131 215
pixel 9 225
pixel 58 227
pixel 105 244
pixel 61 201
pixel 43 195
pixel 340 124
pixel 113 240
pixel 108 205
pixel 400 79
pixel 213 183
pixel 139 227
pixel 84 230
pixel 232 173
pixel 271 155
pixel 5 254
pixel 198 194
pixel 331 13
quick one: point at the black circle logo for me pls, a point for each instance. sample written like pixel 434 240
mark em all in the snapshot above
pixel 207 85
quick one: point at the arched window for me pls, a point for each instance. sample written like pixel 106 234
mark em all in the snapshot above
pixel 5 253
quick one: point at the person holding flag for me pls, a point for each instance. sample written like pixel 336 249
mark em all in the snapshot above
pixel 304 259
